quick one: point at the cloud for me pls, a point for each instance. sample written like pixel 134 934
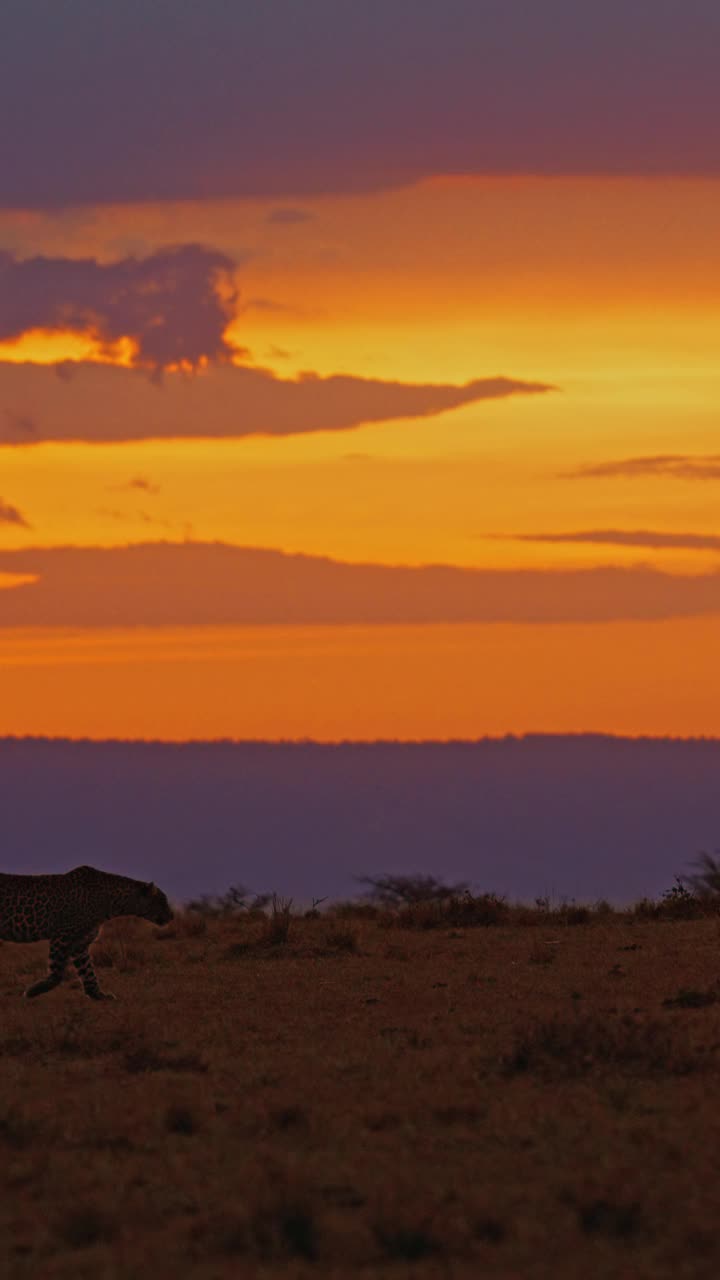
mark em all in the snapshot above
pixel 174 305
pixel 195 583
pixel 133 517
pixel 622 538
pixel 141 483
pixel 377 95
pixel 288 217
pixel 11 515
pixel 104 403
pixel 679 466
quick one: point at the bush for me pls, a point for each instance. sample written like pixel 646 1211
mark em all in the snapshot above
pixel 680 903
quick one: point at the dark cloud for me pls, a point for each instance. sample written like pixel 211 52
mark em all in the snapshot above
pixel 158 584
pixel 104 403
pixel 175 305
pixel 678 465
pixel 132 517
pixel 11 515
pixel 623 538
pixel 137 482
pixel 288 217
pixel 125 102
pixel 142 483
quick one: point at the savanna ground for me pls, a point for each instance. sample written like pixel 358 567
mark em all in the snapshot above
pixel 398 1095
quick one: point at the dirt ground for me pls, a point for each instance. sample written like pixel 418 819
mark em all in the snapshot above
pixel 351 1095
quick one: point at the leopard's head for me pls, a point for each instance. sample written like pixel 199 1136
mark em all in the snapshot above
pixel 152 904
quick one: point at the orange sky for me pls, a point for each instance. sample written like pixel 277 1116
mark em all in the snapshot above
pixel 333 683
pixel 606 290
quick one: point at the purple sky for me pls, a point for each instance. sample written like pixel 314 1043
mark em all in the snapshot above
pixel 161 99
pixel 584 817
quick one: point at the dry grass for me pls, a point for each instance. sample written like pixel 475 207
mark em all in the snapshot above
pixel 363 1092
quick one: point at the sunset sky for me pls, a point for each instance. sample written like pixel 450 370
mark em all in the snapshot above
pixel 359 368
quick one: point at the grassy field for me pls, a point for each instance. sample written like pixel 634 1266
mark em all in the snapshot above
pixel 325 1096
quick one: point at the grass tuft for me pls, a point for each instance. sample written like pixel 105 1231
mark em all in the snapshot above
pixel 84 1227
pixel 688 998
pixel 406 1244
pixel 615 1220
pixel 584 1044
pixel 180 1120
pixel 341 940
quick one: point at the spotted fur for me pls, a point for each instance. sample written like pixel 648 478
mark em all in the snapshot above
pixel 69 911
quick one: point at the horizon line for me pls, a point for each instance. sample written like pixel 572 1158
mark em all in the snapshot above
pixel 530 736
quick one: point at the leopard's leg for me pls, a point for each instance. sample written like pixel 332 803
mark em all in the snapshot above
pixel 59 954
pixel 83 964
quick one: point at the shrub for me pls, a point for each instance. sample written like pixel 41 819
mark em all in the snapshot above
pixel 679 903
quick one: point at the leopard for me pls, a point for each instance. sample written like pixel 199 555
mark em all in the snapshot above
pixel 68 910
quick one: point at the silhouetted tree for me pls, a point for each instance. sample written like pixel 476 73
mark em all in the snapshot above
pixel 404 890
pixel 705 880
pixel 235 899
